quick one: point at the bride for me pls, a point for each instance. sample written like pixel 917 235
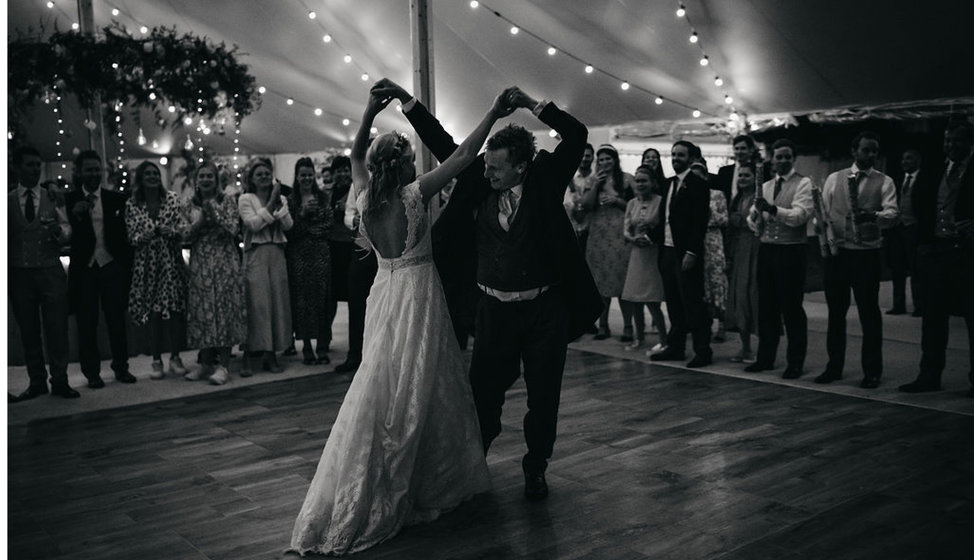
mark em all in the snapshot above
pixel 406 444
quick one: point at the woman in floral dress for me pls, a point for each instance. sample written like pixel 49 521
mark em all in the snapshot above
pixel 216 306
pixel 155 224
pixel 715 280
pixel 606 250
pixel 308 262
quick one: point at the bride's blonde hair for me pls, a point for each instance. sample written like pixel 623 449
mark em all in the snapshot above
pixel 384 162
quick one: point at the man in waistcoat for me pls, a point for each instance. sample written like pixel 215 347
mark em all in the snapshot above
pixel 779 216
pixel 99 271
pixel 944 210
pixel 860 201
pixel 37 227
pixel 537 292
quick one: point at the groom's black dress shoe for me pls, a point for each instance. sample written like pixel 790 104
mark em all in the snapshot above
pixel 828 377
pixel 919 387
pixel 535 488
pixel 870 382
pixel 32 392
pixel 756 367
pixel 64 391
pixel 349 365
pixel 667 355
pixel 125 377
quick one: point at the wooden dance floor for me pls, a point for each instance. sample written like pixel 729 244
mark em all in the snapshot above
pixel 651 462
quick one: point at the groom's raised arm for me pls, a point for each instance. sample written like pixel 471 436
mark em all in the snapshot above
pixel 429 129
pixel 568 153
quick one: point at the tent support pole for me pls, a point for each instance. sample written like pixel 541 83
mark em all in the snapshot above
pixel 422 73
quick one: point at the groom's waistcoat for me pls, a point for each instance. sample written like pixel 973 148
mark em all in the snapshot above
pixel 516 260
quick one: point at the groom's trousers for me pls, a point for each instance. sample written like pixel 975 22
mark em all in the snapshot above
pixel 534 333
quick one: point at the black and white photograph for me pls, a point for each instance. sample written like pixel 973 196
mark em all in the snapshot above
pixel 489 280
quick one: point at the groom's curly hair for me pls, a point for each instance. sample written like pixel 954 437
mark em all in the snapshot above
pixel 518 141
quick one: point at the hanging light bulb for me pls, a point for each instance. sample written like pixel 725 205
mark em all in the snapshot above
pixel 115 11
pixel 348 58
pixel 346 122
pixel 659 100
pixel 188 145
pixel 704 60
pixel 474 4
pixel 552 51
pixel 327 38
pixel 589 69
pixel 514 30
pixel 719 82
pixel 681 11
pixel 144 29
pixel 155 144
pixel 696 113
pixel 140 139
pixel 312 14
pixel 289 101
pixel 262 89
pixel 729 100
pixel 364 77
pixel 318 111
pixel 624 86
pixel 694 36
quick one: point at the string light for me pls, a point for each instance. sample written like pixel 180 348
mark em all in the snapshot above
pixel 115 12
pixel 140 139
pixel 552 51
pixel 364 77
pixel 474 4
pixel 262 90
pixel 144 29
pixel 327 38
pixel 312 14
pixel 696 113
pixel 704 60
pixel 589 69
pixel 681 11
pixel 624 86
pixel 318 111
pixel 74 26
pixel 164 160
pixel 514 30
pixel 729 100
pixel 346 122
pixel 348 58
pixel 719 82
pixel 290 101
pixel 50 5
pixel 694 36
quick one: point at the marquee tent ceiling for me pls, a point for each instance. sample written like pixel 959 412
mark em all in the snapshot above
pixel 774 56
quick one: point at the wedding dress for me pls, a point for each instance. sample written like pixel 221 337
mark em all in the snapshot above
pixel 406 444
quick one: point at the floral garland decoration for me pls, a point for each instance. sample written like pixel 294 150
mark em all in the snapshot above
pixel 191 74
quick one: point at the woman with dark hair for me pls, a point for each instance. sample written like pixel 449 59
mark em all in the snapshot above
pixel 215 298
pixel 155 225
pixel 340 238
pixel 405 446
pixel 265 215
pixel 308 262
pixel 606 250
pixel 651 159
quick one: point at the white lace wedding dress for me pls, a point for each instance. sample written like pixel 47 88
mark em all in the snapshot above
pixel 406 444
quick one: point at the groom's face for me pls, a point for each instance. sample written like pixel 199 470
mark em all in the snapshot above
pixel 502 174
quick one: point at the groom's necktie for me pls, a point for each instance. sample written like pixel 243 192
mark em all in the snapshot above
pixel 508 208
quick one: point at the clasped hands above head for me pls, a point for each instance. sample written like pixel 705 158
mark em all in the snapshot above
pixel 511 98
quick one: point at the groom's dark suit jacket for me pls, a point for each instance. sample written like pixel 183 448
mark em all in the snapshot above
pixel 689 213
pixel 454 233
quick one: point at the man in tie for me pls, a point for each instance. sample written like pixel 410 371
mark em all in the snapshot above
pixel 99 270
pixel 944 210
pixel 900 239
pixel 685 209
pixel 861 201
pixel 536 290
pixel 37 227
pixel 780 218
pixel 744 150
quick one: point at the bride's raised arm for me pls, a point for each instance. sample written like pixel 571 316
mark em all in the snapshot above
pixel 433 181
pixel 358 152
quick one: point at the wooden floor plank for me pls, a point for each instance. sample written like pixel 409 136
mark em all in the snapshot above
pixel 651 462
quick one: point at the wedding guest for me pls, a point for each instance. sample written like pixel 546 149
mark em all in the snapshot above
pixel 715 280
pixel 779 216
pixel 900 239
pixel 308 262
pixel 861 201
pixel 686 209
pixel 216 291
pixel 266 218
pixel 578 189
pixel 606 251
pixel 155 223
pixel 340 238
pixel 99 270
pixel 944 213
pixel 743 291
pixel 643 285
pixel 651 159
pixel 37 227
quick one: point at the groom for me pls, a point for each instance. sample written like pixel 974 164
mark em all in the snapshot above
pixel 537 291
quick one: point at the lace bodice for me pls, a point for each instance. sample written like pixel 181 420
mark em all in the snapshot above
pixel 418 246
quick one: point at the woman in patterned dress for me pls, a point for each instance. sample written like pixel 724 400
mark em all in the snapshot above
pixel 715 280
pixel 216 295
pixel 308 262
pixel 155 225
pixel 606 250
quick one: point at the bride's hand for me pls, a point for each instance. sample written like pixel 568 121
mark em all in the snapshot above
pixel 387 88
pixel 377 102
pixel 501 105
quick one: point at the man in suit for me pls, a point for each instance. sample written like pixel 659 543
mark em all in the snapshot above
pixel 37 227
pixel 99 272
pixel 900 239
pixel 780 216
pixel 860 201
pixel 744 149
pixel 537 291
pixel 685 209
pixel 944 210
